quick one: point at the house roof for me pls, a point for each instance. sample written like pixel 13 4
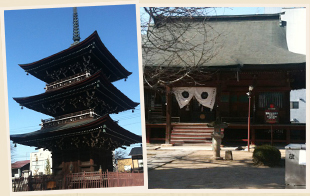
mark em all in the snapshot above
pixel 19 164
pixel 98 82
pixel 92 46
pixel 231 40
pixel 136 151
pixel 112 130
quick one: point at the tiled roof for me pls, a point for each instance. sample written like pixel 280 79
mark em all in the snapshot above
pixel 136 151
pixel 232 40
pixel 19 164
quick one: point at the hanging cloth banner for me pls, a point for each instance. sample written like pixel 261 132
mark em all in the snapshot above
pixel 204 95
pixel 183 95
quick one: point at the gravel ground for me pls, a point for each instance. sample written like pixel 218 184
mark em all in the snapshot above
pixel 194 168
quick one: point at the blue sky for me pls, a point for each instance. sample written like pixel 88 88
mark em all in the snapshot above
pixel 34 34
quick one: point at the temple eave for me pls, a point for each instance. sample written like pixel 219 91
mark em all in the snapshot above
pixel 79 134
pixel 92 92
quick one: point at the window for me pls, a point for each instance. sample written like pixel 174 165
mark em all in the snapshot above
pixel 294 104
pixel 267 98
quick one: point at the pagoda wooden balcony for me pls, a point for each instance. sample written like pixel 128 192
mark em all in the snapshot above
pixel 66 81
pixel 68 118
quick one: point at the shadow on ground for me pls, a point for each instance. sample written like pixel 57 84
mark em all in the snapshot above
pixel 203 173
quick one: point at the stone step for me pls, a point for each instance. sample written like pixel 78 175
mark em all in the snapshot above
pixel 192 130
pixel 191 133
pixel 189 137
pixel 190 141
pixel 191 127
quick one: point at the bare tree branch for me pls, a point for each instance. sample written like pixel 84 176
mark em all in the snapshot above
pixel 177 43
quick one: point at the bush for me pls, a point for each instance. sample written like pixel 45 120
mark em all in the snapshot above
pixel 266 155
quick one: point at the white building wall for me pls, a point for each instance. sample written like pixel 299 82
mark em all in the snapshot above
pixel 38 161
pixel 295 29
pixel 298 115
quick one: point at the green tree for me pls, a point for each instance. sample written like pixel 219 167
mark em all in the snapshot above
pixel 48 167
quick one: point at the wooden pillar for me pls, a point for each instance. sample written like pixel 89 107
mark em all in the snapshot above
pixel 63 163
pixel 217 103
pixel 271 132
pixel 91 162
pixel 252 136
pixel 148 134
pixel 79 161
pixel 288 136
pixel 286 106
pixel 168 114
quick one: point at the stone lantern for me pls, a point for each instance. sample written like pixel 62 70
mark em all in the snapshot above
pixel 217 137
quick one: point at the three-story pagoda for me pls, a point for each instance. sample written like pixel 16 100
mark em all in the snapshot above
pixel 79 95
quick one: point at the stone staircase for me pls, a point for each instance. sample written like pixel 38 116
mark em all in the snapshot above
pixel 191 134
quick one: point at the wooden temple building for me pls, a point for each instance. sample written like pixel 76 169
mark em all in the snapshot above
pixel 79 95
pixel 243 51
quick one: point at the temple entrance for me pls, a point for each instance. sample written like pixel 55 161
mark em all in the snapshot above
pixel 194 112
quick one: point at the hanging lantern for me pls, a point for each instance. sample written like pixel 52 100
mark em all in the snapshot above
pixel 133 111
pixel 187 107
pixel 15 145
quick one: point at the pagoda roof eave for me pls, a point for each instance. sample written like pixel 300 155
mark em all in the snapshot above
pixel 75 128
pixel 95 80
pixel 92 42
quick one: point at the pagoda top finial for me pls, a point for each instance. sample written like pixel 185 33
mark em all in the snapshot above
pixel 76 29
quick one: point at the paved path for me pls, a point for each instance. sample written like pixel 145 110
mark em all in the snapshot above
pixel 193 168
